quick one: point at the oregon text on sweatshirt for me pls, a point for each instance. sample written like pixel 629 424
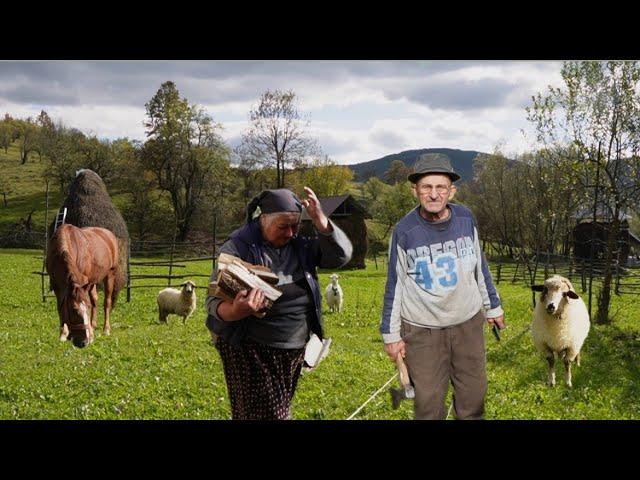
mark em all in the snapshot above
pixel 437 276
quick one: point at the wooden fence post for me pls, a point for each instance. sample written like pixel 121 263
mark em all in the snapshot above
pixel 46 238
pixel 173 246
pixel 215 222
pixel 129 273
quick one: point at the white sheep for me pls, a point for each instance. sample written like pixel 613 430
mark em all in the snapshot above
pixel 333 294
pixel 178 302
pixel 560 324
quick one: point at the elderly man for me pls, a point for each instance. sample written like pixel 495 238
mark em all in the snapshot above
pixel 438 293
pixel 262 356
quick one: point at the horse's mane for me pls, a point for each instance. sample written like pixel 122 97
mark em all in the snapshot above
pixel 64 251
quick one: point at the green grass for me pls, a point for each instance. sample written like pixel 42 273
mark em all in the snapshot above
pixel 145 370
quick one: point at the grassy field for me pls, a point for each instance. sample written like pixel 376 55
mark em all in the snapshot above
pixel 27 191
pixel 145 370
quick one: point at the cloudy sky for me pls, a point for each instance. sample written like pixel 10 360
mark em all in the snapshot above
pixel 359 110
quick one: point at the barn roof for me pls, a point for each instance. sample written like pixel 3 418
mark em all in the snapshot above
pixel 331 204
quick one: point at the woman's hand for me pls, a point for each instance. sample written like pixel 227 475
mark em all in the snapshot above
pixel 314 210
pixel 244 304
pixel 248 303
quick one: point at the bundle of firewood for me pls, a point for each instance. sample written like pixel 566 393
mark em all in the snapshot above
pixel 235 275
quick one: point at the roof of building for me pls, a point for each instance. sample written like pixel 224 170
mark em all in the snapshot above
pixel 331 204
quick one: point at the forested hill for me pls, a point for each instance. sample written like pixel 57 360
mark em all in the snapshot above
pixel 462 161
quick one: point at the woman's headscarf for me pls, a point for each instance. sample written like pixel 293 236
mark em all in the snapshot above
pixel 274 201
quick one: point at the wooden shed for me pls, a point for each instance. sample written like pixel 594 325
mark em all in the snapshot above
pixel 587 232
pixel 349 215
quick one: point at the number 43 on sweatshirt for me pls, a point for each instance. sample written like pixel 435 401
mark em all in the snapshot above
pixel 441 274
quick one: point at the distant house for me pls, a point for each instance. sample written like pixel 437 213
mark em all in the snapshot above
pixel 588 232
pixel 349 215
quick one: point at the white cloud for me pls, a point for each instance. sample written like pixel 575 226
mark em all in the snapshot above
pixel 359 110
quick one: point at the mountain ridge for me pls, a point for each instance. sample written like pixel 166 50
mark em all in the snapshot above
pixel 461 160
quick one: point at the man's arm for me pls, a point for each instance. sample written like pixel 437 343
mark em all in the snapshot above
pixel 396 275
pixel 490 297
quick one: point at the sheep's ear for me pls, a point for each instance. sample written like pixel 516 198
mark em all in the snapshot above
pixel 572 294
pixel 537 288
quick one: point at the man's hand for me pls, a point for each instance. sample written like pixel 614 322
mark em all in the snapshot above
pixel 314 210
pixel 499 321
pixel 393 349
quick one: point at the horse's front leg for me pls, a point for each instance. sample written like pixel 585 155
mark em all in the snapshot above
pixel 64 330
pixel 109 285
pixel 93 295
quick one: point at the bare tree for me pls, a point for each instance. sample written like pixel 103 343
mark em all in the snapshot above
pixel 277 134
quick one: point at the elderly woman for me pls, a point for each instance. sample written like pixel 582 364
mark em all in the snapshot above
pixel 263 357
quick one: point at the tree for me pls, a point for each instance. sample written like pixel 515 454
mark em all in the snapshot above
pixel 6 134
pixel 28 138
pixel 276 136
pixel 397 172
pixel 326 178
pixel 597 113
pixel 98 156
pixel 184 151
pixel 374 188
pixel 5 188
pixel 145 211
pixel 392 205
pixel 59 145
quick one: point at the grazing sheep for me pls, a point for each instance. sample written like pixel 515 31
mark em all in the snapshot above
pixel 333 294
pixel 179 302
pixel 560 324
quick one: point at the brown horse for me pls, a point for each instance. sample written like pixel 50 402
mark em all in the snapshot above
pixel 78 259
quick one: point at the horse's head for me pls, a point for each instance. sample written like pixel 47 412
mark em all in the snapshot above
pixel 77 314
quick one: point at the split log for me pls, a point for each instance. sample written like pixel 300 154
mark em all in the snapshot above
pixel 235 275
